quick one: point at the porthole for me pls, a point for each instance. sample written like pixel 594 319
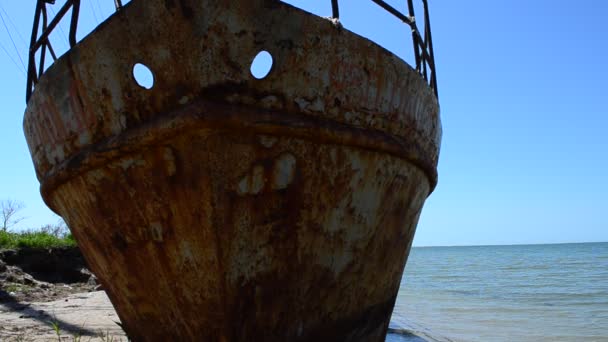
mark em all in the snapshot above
pixel 261 65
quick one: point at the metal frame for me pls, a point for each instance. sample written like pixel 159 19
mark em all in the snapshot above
pixel 423 45
pixel 40 38
pixel 41 42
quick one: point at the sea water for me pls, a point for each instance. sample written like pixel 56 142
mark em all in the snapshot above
pixel 506 293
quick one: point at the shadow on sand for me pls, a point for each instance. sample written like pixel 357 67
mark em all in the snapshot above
pixel 9 303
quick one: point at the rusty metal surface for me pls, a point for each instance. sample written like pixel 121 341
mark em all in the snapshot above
pixel 216 206
pixel 423 43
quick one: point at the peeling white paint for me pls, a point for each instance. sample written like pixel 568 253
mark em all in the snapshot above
pixel 282 174
pixel 57 154
pixel 316 105
pixel 270 101
pixel 186 252
pixel 302 103
pixel 183 100
pixel 267 141
pixel 127 163
pixel 84 138
pixel 95 176
pixel 348 116
pixel 283 171
pixel 252 183
pixel 335 260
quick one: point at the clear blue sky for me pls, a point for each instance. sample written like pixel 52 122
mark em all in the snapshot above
pixel 523 91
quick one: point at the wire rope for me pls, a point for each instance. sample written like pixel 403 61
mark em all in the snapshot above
pixel 94 12
pixel 10 36
pixel 12 59
pixel 60 27
pixel 14 26
pixel 100 10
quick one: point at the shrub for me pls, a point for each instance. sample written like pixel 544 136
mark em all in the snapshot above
pixel 46 237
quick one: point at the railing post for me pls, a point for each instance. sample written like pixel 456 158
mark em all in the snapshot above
pixel 335 10
pixel 74 21
pixel 410 7
pixel 429 39
pixel 31 68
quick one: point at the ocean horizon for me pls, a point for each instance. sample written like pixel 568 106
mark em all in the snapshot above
pixel 523 292
pixel 511 244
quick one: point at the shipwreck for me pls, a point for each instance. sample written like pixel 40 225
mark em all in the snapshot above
pixel 218 205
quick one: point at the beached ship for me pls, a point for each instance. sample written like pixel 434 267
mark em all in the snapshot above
pixel 215 205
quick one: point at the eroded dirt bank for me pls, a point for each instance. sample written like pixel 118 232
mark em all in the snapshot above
pixel 50 293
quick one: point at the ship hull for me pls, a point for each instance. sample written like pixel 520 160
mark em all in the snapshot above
pixel 217 206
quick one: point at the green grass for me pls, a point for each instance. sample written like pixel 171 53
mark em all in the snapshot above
pixel 11 288
pixel 35 239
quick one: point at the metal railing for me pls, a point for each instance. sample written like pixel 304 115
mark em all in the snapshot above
pixel 423 44
pixel 40 37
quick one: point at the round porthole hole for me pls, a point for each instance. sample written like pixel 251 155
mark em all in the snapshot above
pixel 261 65
pixel 143 76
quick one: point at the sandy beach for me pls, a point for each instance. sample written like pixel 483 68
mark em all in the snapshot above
pixel 85 316
pixel 49 294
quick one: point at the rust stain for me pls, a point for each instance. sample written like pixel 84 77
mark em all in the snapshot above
pixel 215 206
